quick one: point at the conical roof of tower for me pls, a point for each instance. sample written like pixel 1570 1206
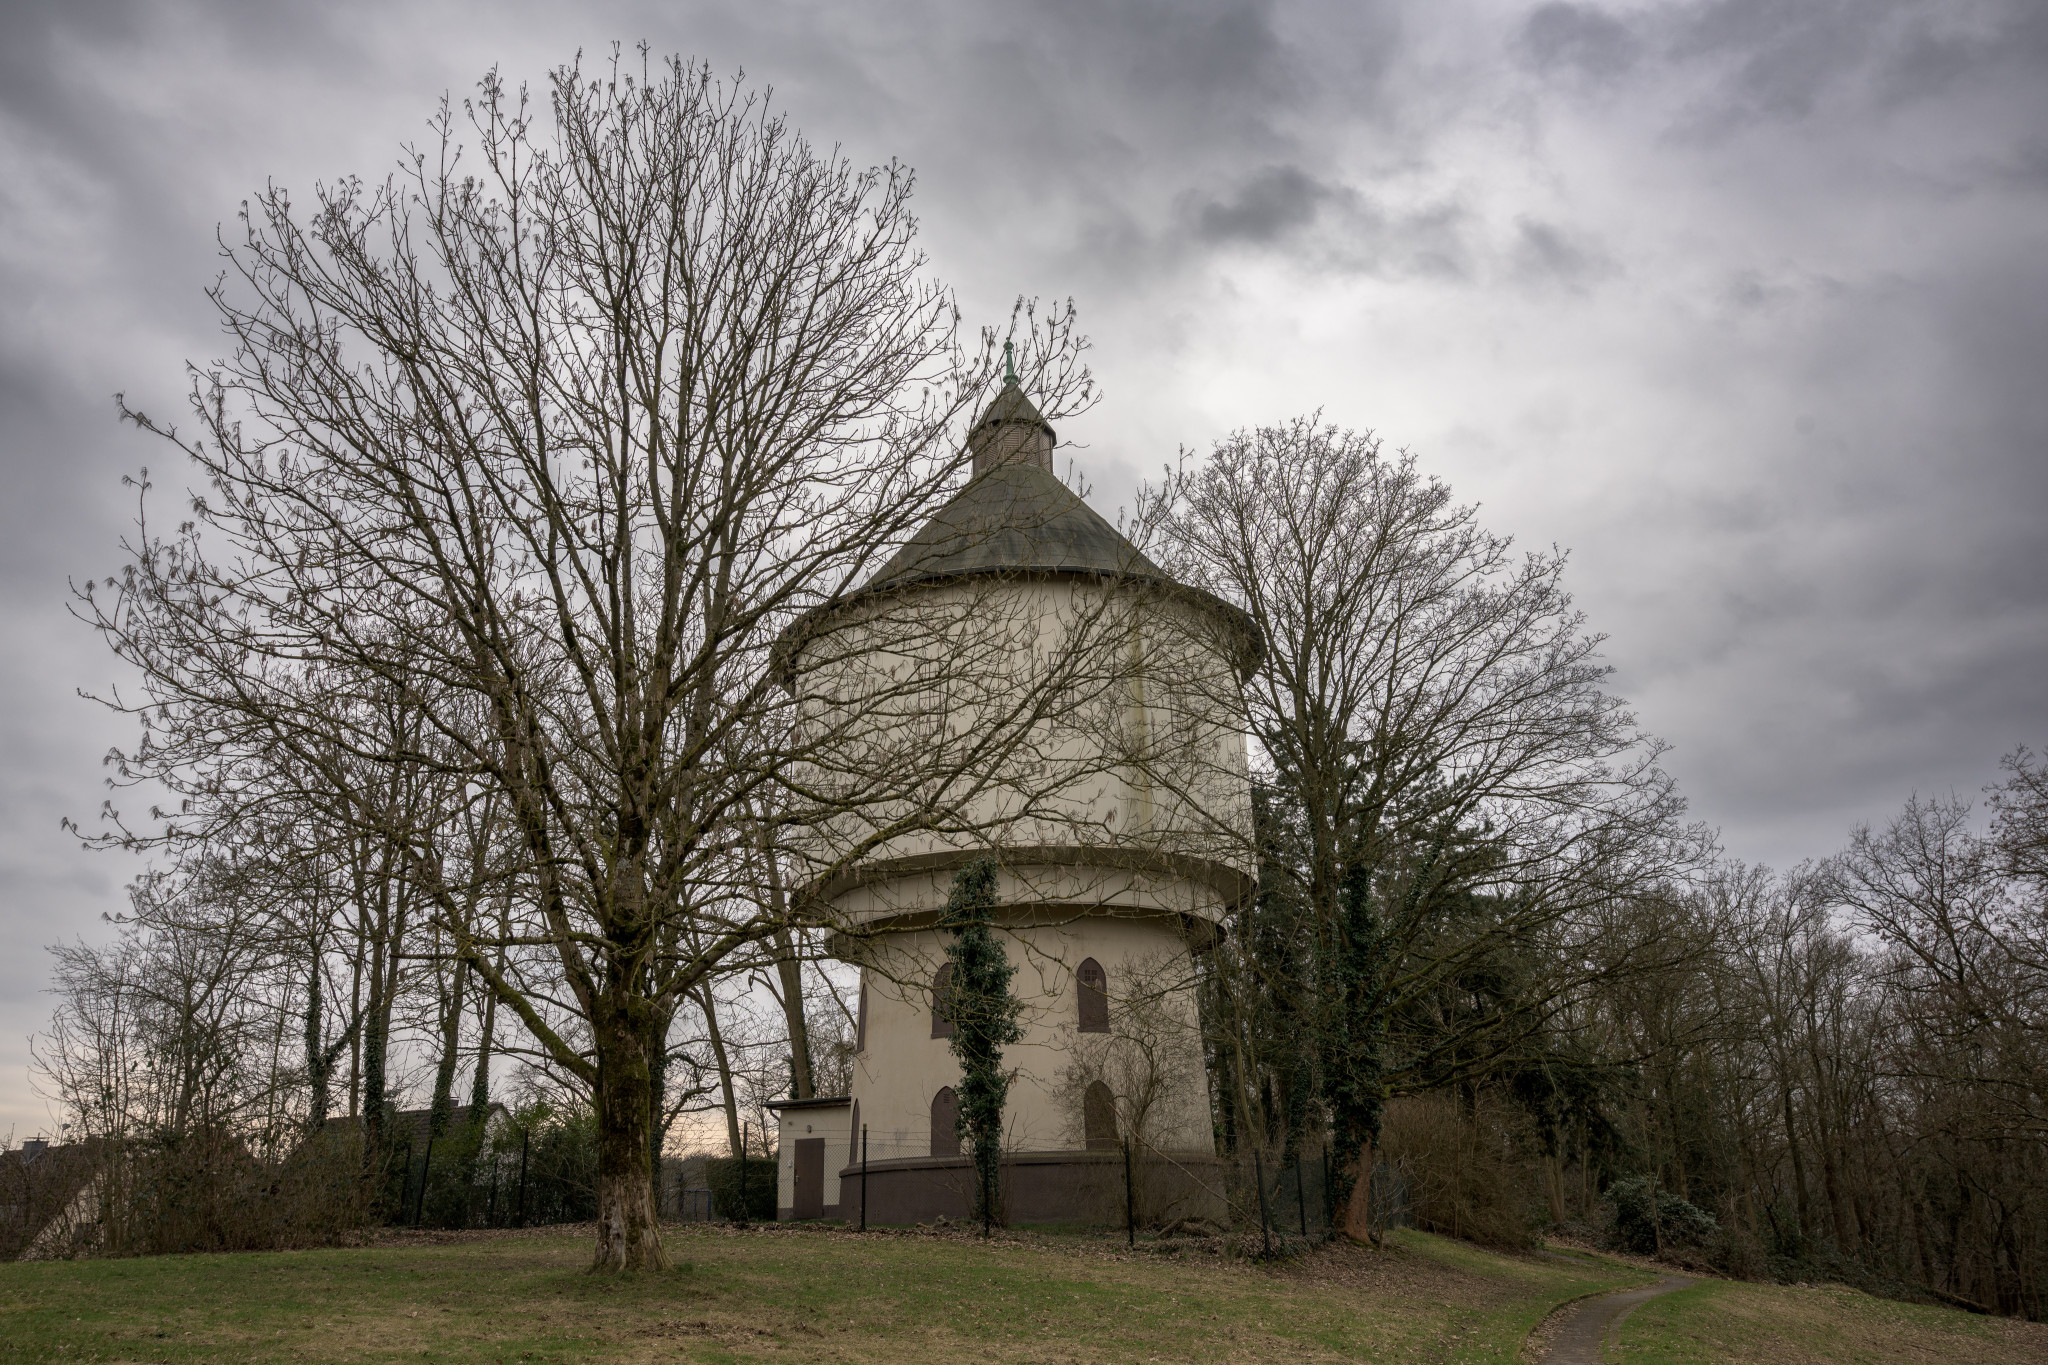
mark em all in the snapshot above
pixel 1015 517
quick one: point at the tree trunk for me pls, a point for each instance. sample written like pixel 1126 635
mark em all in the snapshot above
pixel 1553 1182
pixel 377 1031
pixel 387 938
pixel 480 1084
pixel 355 1011
pixel 1798 1171
pixel 442 1109
pixel 319 1065
pixel 628 1229
pixel 708 1003
pixel 1355 1217
pixel 1354 1070
pixel 790 970
pixel 657 1097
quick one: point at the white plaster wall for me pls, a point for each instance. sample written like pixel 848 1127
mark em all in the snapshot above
pixel 1139 752
pixel 902 1067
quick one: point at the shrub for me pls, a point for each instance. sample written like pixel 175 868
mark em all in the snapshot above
pixel 1462 1167
pixel 1646 1217
pixel 722 1177
pixel 195 1190
pixel 560 1150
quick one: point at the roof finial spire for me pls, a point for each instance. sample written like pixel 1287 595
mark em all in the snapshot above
pixel 1009 362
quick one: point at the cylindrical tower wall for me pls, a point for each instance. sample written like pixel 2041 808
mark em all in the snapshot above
pixel 1148 1056
pixel 1058 721
pixel 1020 684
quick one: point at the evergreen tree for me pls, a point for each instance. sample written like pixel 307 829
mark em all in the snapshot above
pixel 984 1017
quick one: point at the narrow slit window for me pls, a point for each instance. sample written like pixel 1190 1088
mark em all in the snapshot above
pixel 860 1027
pixel 1098 1118
pixel 945 1123
pixel 1092 986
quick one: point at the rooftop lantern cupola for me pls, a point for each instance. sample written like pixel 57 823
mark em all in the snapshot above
pixel 1011 428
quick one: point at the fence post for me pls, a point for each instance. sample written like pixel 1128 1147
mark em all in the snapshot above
pixel 743 1174
pixel 1265 1226
pixel 1130 1201
pixel 525 1140
pixel 1330 1196
pixel 863 1177
pixel 419 1204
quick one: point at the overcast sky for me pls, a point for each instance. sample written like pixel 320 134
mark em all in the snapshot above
pixel 1745 303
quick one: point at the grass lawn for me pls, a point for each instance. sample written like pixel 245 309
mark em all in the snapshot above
pixel 791 1294
pixel 1726 1322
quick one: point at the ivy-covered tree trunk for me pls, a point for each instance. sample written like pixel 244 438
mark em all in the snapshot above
pixel 984 1017
pixel 1354 1067
pixel 441 1111
pixel 385 960
pixel 480 1081
pixel 319 1059
pixel 657 1097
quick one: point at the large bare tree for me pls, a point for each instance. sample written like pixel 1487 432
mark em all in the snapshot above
pixel 1449 783
pixel 551 435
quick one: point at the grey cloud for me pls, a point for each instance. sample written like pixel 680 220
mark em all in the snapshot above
pixel 1930 58
pixel 1782 60
pixel 1188 51
pixel 1578 38
pixel 1545 253
pixel 1789 55
pixel 1272 204
pixel 1755 291
pixel 1330 226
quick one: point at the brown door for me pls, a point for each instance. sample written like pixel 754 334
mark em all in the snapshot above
pixel 810 1178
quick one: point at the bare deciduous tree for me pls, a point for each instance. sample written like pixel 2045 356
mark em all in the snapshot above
pixel 548 438
pixel 1431 714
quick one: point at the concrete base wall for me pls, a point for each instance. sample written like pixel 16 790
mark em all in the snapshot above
pixel 1039 1187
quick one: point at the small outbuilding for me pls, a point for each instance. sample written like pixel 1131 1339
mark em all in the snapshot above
pixel 814 1146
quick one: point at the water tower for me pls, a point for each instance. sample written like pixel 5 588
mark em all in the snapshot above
pixel 1118 825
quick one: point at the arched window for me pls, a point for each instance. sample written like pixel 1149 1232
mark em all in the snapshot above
pixel 860 1028
pixel 1092 985
pixel 945 1123
pixel 853 1136
pixel 942 1026
pixel 1098 1118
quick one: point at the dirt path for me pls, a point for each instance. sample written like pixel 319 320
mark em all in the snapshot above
pixel 1578 1331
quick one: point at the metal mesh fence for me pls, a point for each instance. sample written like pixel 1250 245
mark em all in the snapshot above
pixel 517 1177
pixel 1266 1200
